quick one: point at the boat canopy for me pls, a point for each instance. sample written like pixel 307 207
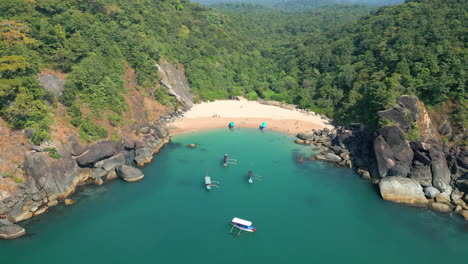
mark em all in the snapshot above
pixel 251 173
pixel 264 124
pixel 207 180
pixel 241 221
pixel 231 124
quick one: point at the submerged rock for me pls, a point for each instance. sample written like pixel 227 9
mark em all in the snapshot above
pixel 402 190
pixel 9 230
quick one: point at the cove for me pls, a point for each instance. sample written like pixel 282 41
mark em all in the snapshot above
pixel 311 212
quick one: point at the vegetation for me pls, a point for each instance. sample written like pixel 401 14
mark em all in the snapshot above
pixel 346 61
pixel 53 153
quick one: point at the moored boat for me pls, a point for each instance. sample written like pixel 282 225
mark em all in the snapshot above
pixel 243 225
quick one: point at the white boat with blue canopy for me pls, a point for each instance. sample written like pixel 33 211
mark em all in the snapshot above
pixel 242 225
pixel 208 182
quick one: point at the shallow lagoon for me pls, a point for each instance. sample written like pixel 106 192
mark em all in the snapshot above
pixel 304 213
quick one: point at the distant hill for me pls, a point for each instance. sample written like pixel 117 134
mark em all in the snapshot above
pixel 302 4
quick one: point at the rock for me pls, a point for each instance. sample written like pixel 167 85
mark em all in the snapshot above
pixel 52 203
pixel 397 115
pixel 421 174
pixel 129 174
pixel 98 173
pixel 300 159
pixel 364 174
pixel 144 130
pixel 431 192
pixel 41 211
pixel 402 190
pixel 9 230
pixel 422 157
pixel 464 213
pixel 96 152
pixel 456 195
pixel 442 198
pixel 18 215
pixel 55 177
pixel 159 130
pixel 192 145
pixel 52 83
pixel 68 201
pixel 129 143
pixel 440 207
pixel 143 156
pixel 445 129
pixel 336 149
pixel 307 142
pixel 176 83
pixel 112 162
pixel 305 136
pixel 384 156
pixel 332 157
pixel 76 148
pixel 111 175
pixel 440 172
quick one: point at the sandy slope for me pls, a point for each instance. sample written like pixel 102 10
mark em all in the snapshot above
pixel 245 113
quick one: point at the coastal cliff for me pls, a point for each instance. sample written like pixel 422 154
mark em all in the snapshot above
pixel 405 157
pixel 51 172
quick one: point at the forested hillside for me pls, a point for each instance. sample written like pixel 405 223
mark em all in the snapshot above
pixel 326 59
pixel 298 5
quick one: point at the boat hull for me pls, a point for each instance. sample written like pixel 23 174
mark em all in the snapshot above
pixel 244 228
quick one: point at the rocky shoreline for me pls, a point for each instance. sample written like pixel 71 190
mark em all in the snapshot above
pixel 421 172
pixel 51 180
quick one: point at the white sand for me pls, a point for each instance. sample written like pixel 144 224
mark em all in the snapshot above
pixel 245 113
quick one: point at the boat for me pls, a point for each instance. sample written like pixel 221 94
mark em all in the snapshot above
pixel 251 176
pixel 208 182
pixel 242 225
pixel 225 160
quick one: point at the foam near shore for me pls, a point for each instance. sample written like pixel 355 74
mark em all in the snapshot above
pixel 248 114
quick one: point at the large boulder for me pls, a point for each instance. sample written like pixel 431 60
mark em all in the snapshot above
pixel 421 174
pixel 111 163
pixel 392 152
pixel 9 230
pixel 445 129
pixel 440 207
pixel 440 171
pixel 55 177
pixel 76 148
pixel 305 136
pixel 176 83
pixel 431 192
pixel 129 174
pixel 96 152
pixel 402 190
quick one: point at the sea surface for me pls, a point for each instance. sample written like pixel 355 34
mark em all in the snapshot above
pixel 311 212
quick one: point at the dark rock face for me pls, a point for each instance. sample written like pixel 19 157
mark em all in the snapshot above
pixel 421 174
pixel 440 172
pixel 393 153
pixel 8 230
pixel 56 177
pixel 403 119
pixel 96 152
pixel 445 129
pixel 129 174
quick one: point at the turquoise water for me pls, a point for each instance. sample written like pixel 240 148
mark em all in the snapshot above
pixel 304 213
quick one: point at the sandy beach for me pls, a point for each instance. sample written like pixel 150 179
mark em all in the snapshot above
pixel 246 114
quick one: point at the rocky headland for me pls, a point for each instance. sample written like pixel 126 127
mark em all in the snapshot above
pixel 406 158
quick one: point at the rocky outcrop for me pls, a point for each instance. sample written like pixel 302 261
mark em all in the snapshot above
pixel 150 143
pixel 9 230
pixel 176 83
pixel 96 152
pixel 52 83
pixel 393 153
pixel 129 174
pixel 54 177
pixel 402 190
